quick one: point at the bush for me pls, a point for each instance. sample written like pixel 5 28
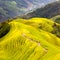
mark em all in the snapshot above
pixel 4 29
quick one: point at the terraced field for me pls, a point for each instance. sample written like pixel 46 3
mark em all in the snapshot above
pixel 33 39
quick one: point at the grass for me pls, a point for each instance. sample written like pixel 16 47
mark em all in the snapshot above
pixel 30 40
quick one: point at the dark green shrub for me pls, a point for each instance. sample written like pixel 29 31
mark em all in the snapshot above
pixel 4 29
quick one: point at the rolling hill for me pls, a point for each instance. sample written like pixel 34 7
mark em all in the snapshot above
pixel 33 39
pixel 49 11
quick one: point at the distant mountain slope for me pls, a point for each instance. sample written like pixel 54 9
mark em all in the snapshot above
pixel 13 8
pixel 48 11
pixel 29 40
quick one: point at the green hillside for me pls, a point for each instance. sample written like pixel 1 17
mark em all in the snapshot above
pixel 56 19
pixel 33 39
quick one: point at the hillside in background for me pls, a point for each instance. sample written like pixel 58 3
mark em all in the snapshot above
pixel 48 11
pixel 14 8
pixel 33 39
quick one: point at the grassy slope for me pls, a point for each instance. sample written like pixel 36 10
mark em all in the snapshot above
pixel 30 40
pixel 56 18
